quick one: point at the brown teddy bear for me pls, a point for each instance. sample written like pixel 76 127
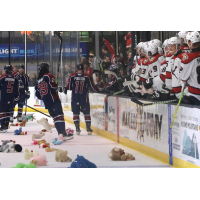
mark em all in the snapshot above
pixel 47 149
pixel 61 156
pixel 119 154
pixel 23 123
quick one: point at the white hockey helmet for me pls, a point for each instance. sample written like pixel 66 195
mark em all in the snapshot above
pixel 182 35
pixel 157 42
pixel 165 44
pixel 194 37
pixel 150 47
pixel 174 40
pixel 139 47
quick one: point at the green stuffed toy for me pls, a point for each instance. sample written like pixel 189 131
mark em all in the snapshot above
pixel 21 165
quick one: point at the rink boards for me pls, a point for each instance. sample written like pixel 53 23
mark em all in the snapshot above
pixel 145 129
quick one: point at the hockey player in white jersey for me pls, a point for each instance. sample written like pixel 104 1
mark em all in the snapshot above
pixel 184 47
pixel 174 66
pixel 190 69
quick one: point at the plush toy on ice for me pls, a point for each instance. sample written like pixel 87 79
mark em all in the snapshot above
pixel 119 154
pixel 81 162
pixel 29 154
pixel 19 132
pixel 61 156
pixel 10 146
pixel 44 122
pixel 39 160
pixel 41 143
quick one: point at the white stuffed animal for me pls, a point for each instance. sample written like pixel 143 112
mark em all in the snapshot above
pixel 29 154
pixel 45 124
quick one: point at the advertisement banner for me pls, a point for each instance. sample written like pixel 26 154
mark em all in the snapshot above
pixel 186 137
pixel 146 125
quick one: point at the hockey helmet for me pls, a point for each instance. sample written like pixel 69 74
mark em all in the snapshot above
pixel 157 42
pixel 152 48
pixel 182 35
pixel 194 37
pixel 8 69
pixel 80 67
pixel 43 67
pixel 165 44
pixel 21 66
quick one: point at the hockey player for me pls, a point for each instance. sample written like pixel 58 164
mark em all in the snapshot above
pixel 46 90
pixel 184 47
pixel 190 69
pixel 79 83
pixel 23 81
pixel 9 92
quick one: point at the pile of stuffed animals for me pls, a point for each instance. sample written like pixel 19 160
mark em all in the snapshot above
pixel 116 154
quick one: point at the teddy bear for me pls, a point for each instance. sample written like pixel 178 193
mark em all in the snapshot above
pixel 38 136
pixel 41 143
pixel 119 154
pixel 28 154
pixel 61 156
pixel 39 160
pixel 45 124
pixel 48 149
pixel 23 123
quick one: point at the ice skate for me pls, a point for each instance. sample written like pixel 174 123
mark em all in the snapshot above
pixel 88 128
pixel 2 130
pixel 67 136
pixel 78 130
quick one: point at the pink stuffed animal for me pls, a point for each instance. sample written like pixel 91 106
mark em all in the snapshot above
pixel 41 160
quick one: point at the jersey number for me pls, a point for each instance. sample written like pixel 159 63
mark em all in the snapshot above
pixel 10 87
pixel 43 89
pixel 198 74
pixel 143 71
pixel 155 68
pixel 81 87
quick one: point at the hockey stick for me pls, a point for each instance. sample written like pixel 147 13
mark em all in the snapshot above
pixel 59 62
pixel 119 92
pixel 36 110
pixel 26 107
pixel 151 104
pixel 177 108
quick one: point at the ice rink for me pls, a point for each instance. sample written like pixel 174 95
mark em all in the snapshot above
pixel 94 148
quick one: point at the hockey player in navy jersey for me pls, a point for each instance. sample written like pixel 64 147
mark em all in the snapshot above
pixel 46 90
pixel 79 83
pixel 9 92
pixel 24 93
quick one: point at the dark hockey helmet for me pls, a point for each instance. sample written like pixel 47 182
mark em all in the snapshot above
pixel 21 66
pixel 80 67
pixel 8 69
pixel 43 67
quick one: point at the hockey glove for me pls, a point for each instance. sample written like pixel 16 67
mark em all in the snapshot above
pixel 155 96
pixel 60 89
pixel 165 94
pixel 148 84
pixel 27 95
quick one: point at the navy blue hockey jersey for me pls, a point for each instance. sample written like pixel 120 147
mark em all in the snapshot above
pixel 9 89
pixel 46 90
pixel 80 84
pixel 23 81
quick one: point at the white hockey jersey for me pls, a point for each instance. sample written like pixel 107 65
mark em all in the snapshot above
pixel 190 72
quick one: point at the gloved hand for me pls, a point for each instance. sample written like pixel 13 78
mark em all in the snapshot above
pixel 149 82
pixel 60 89
pixel 27 95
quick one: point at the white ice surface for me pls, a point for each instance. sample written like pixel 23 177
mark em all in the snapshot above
pixel 93 147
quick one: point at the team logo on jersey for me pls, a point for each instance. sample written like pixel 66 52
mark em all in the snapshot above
pixel 185 57
pixel 151 59
pixel 145 61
